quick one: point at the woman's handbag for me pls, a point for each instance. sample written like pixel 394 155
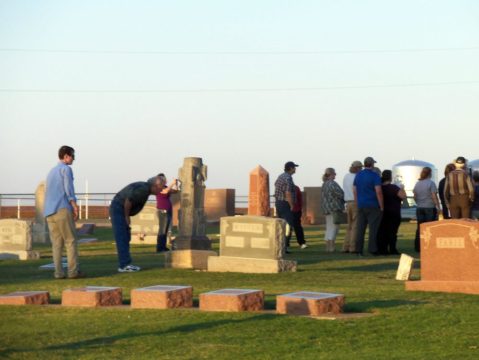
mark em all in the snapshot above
pixel 339 217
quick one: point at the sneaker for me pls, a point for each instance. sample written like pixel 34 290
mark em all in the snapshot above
pixel 129 268
pixel 303 246
pixel 78 275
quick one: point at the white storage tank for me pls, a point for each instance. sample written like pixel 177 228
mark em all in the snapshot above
pixel 407 173
pixel 473 165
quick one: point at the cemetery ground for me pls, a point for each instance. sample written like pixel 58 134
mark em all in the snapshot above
pixel 397 324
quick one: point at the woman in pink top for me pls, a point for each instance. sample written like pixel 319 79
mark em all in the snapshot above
pixel 165 212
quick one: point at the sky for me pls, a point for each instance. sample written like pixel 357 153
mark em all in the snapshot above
pixel 137 86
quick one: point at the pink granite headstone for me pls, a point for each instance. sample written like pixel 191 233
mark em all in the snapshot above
pixel 258 199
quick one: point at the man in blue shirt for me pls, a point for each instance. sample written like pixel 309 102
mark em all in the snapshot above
pixel 61 211
pixel 369 197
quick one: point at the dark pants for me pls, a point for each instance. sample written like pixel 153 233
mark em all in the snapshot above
pixel 298 228
pixel 122 233
pixel 388 233
pixel 163 231
pixel 371 217
pixel 284 212
pixel 423 215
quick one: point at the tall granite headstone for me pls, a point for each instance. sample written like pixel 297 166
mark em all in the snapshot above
pixel 314 214
pixel 192 246
pixel 449 257
pixel 40 228
pixel 219 203
pixel 258 198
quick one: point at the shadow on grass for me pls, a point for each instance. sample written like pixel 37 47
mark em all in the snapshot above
pixel 99 342
pixel 367 306
pixel 376 267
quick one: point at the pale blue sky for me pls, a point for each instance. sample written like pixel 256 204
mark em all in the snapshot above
pixel 346 59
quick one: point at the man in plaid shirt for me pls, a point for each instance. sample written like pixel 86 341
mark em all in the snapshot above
pixel 285 196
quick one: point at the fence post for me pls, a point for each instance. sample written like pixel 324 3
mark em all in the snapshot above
pixel 79 209
pixel 18 208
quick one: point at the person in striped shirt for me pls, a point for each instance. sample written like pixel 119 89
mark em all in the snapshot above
pixel 459 190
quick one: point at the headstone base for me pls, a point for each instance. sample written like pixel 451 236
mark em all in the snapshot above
pixel 232 300
pixel 188 259
pixel 464 287
pixel 162 297
pixel 250 265
pixel 19 255
pixel 25 298
pixel 309 303
pixel 92 296
pixel 192 242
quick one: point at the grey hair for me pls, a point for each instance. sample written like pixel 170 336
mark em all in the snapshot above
pixel 152 181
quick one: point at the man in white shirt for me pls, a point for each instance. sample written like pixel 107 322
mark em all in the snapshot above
pixel 349 245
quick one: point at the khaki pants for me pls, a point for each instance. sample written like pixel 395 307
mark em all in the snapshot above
pixel 460 206
pixel 349 240
pixel 62 233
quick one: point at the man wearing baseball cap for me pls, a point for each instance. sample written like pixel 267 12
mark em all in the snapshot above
pixel 285 197
pixel 368 195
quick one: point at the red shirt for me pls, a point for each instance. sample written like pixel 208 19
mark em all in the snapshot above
pixel 298 205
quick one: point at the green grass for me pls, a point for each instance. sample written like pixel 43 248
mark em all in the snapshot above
pixel 405 325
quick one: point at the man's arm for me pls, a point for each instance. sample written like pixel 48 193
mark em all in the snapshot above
pixel 289 198
pixel 70 191
pixel 379 195
pixel 127 207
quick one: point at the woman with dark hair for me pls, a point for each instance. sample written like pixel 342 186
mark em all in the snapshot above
pixel 165 211
pixel 425 195
pixel 393 196
pixel 440 189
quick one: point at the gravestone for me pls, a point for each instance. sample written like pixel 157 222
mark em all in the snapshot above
pixel 406 263
pixel 309 303
pixel 232 300
pixel 16 240
pixel 92 296
pixel 219 203
pixel 313 213
pixel 192 246
pixel 145 225
pixel 258 198
pixel 25 298
pixel 162 297
pixel 86 229
pixel 449 257
pixel 40 227
pixel 251 244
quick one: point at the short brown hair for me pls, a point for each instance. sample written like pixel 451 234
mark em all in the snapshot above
pixel 449 167
pixel 65 150
pixel 425 173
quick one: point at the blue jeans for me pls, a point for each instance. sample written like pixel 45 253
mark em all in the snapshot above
pixel 284 212
pixel 423 215
pixel 162 233
pixel 122 233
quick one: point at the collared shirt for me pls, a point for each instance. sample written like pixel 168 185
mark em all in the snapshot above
pixel 348 183
pixel 283 184
pixel 59 189
pixel 137 193
pixel 458 183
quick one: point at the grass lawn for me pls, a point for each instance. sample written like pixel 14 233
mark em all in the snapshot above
pixel 405 325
